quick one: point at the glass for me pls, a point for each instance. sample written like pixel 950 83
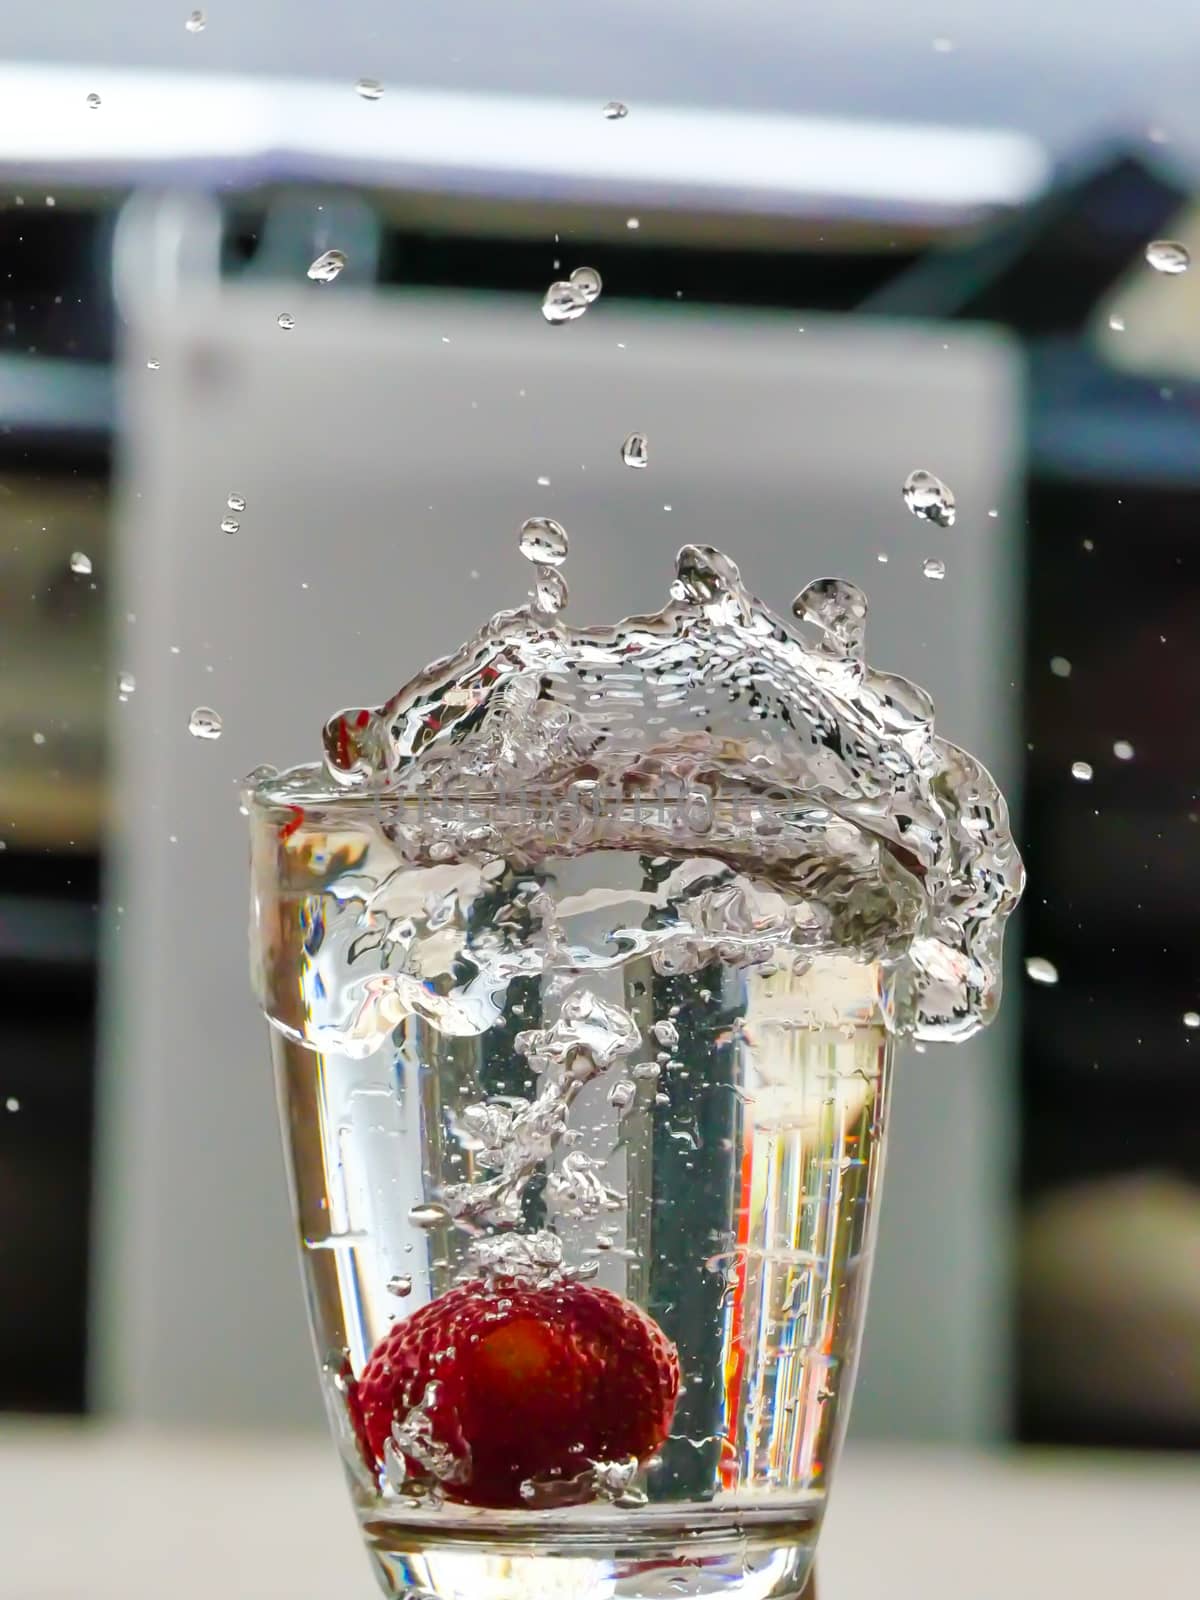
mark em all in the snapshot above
pixel 717 1168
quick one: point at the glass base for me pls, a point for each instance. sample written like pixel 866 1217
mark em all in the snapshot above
pixel 773 1564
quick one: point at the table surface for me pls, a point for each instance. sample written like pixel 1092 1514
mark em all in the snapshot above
pixel 116 1514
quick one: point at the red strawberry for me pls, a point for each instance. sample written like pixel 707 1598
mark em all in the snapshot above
pixel 493 1385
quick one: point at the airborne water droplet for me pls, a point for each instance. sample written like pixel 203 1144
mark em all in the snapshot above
pixel 230 524
pixel 927 496
pixel 93 102
pixel 126 682
pixel 400 1285
pixel 153 366
pixel 369 89
pixel 1041 970
pixel 550 591
pixel 1117 324
pixel 934 568
pixel 327 267
pixel 614 111
pixel 622 1093
pixel 635 450
pixel 205 723
pixel 81 563
pixel 543 541
pixel 196 22
pixel 1123 750
pixel 633 224
pixel 588 283
pixel 1060 666
pixel 1169 256
pixel 1082 771
pixel 286 321
pixel 1191 1019
pixel 563 302
pixel 236 502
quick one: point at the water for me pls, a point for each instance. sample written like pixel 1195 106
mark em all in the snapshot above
pixel 196 22
pixel 1191 1019
pixel 1123 750
pixel 81 563
pixel 615 111
pixel 230 525
pixel 1168 256
pixel 126 683
pixel 205 723
pixel 635 452
pixel 588 283
pixel 1040 970
pixel 1060 666
pixel 933 567
pixel 93 102
pixel 584 955
pixel 327 267
pixel 286 321
pixel 544 541
pixel 563 302
pixel 236 502
pixel 369 89
pixel 1082 770
pixel 927 496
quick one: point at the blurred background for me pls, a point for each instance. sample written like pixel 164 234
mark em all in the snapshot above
pixel 837 244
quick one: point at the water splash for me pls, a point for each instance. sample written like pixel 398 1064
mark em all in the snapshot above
pixel 927 496
pixel 842 820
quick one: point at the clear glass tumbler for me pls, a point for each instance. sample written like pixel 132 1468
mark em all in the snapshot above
pixel 539 1152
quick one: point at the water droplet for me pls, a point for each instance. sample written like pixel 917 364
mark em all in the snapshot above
pixel 544 541
pixel 622 1093
pixel 834 613
pixel 543 483
pixel 635 452
pixel 934 568
pixel 1041 970
pixel 428 1216
pixel 327 267
pixel 1168 255
pixel 196 22
pixel 1191 1019
pixel 993 513
pixel 563 303
pixel 927 496
pixel 400 1286
pixel 12 1103
pixel 126 682
pixel 633 224
pixel 1123 750
pixel 882 558
pixel 369 89
pixel 588 283
pixel 204 723
pixel 666 1033
pixel 230 524
pixel 550 591
pixel 286 321
pixel 1060 666
pixel 1082 771
pixel 81 563
pixel 236 502
pixel 153 366
pixel 39 737
pixel 614 111
pixel 1117 324
pixel 93 102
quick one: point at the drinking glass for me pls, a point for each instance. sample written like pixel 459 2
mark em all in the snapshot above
pixel 719 1171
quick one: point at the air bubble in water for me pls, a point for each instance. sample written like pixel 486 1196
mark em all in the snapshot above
pixel 327 267
pixel 81 563
pixel 927 496
pixel 286 321
pixel 1041 970
pixel 428 1215
pixel 550 591
pixel 205 723
pixel 196 22
pixel 635 450
pixel 588 283
pixel 369 89
pixel 400 1286
pixel 1060 666
pixel 1168 255
pixel 1191 1019
pixel 934 568
pixel 563 303
pixel 1123 750
pixel 126 683
pixel 93 102
pixel 236 502
pixel 1082 770
pixel 230 524
pixel 543 541
pixel 614 111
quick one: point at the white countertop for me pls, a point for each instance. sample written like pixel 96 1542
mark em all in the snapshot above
pixel 102 1513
